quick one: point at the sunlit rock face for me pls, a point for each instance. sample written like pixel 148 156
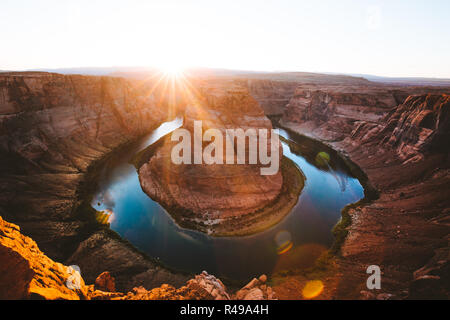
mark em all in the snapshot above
pixel 25 272
pixel 416 127
pixel 332 112
pixel 419 125
pixel 329 112
pixel 209 194
pixel 273 96
pixel 52 128
pixel 405 156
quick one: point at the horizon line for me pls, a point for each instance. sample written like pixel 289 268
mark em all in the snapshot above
pixel 148 68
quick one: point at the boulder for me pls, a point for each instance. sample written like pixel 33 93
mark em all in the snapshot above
pixel 105 282
pixel 26 272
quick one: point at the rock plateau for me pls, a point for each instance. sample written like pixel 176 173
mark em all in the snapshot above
pixel 216 198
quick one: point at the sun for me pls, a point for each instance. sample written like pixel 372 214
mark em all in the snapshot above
pixel 172 70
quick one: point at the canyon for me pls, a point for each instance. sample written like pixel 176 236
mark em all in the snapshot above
pixel 30 274
pixel 55 130
pixel 221 198
pixel 404 152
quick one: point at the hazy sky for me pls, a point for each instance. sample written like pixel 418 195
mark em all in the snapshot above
pixel 391 38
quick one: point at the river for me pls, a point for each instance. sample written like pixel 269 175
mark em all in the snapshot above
pixel 294 243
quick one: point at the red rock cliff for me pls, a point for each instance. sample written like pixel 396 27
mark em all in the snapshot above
pixel 52 129
pixel 213 193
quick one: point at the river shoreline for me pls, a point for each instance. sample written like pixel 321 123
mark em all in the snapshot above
pixel 251 223
pixel 370 192
pixel 271 214
pixel 361 242
pixel 294 177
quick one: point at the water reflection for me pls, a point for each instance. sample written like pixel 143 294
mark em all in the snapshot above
pixel 323 159
pixel 283 239
pixel 304 233
pixel 118 177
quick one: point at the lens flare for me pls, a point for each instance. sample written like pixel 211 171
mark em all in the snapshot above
pixel 283 241
pixel 312 289
pixel 323 159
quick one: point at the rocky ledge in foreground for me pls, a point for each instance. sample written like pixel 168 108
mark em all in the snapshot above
pixel 27 273
pixel 222 199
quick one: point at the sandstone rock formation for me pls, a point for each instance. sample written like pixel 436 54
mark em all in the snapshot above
pixel 208 287
pixel 417 127
pixel 105 282
pixel 103 251
pixel 273 91
pixel 273 96
pixel 332 112
pixel 27 273
pixel 420 125
pixel 209 196
pixel 256 289
pixel 53 129
pixel 405 231
pixel 205 287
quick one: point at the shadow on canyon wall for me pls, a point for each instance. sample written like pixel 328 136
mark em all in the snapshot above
pixel 54 129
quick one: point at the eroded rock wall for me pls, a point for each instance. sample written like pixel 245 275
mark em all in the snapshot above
pixel 332 112
pixel 53 128
pixel 27 273
pixel 405 155
pixel 273 96
pixel 211 193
